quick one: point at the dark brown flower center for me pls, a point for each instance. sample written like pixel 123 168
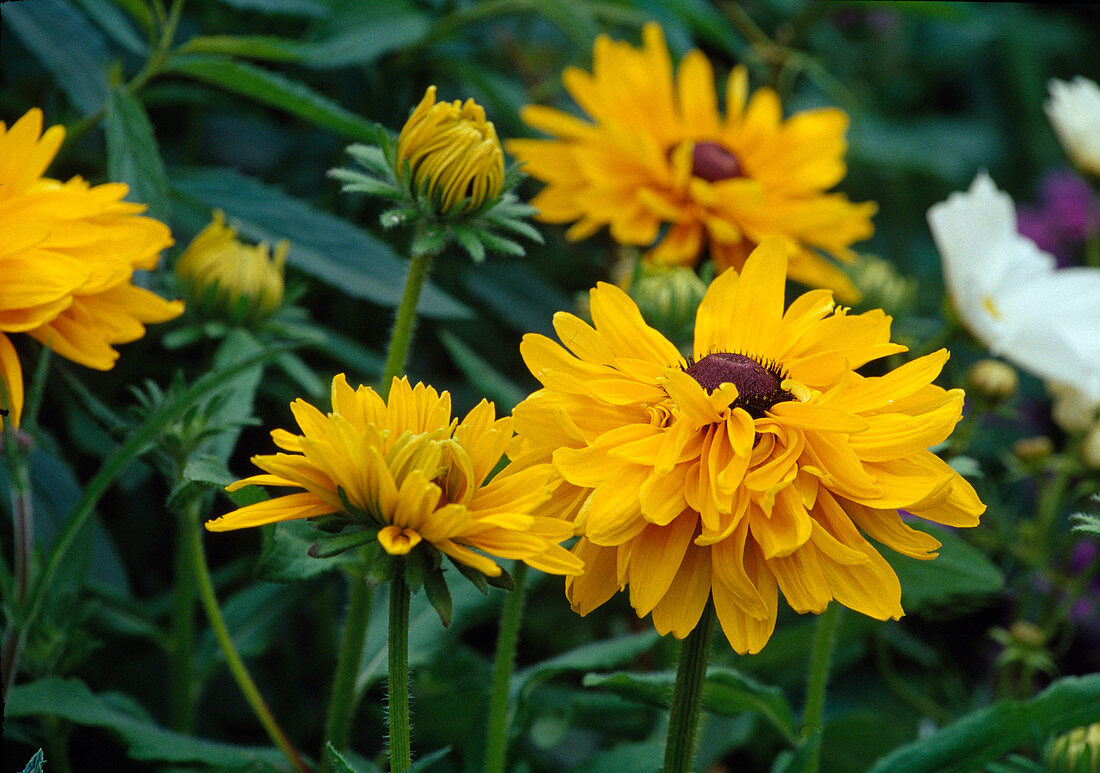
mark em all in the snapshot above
pixel 712 162
pixel 758 384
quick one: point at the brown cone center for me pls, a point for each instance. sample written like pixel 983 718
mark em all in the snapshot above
pixel 712 162
pixel 758 386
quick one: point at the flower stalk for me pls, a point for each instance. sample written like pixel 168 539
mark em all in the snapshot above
pixel 821 654
pixel 496 740
pixel 232 658
pixel 341 707
pixel 691 675
pixel 397 703
pixel 397 355
pixel 181 691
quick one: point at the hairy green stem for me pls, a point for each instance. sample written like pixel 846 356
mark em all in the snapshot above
pixel 687 696
pixel 23 538
pixel 496 739
pixel 821 655
pixel 397 707
pixel 181 683
pixel 341 706
pixel 232 657
pixel 397 355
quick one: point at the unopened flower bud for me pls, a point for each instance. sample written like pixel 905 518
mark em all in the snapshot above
pixel 1077 751
pixel 881 285
pixel 1033 449
pixel 994 380
pixel 668 298
pixel 452 154
pixel 230 280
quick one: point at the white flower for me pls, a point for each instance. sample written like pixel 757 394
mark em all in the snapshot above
pixel 1074 111
pixel 1008 292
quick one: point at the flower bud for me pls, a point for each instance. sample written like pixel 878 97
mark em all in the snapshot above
pixel 1074 112
pixel 1077 751
pixel 668 298
pixel 1033 449
pixel 994 380
pixel 230 280
pixel 453 155
pixel 881 285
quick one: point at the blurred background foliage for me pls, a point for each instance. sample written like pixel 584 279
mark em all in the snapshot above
pixel 244 108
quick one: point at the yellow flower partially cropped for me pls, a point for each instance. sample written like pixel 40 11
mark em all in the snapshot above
pixel 68 254
pixel 405 466
pixel 756 467
pixel 657 154
pixel 230 279
pixel 453 154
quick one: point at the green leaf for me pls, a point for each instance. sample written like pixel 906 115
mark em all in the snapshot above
pixel 312 8
pixel 70 699
pixel 1084 523
pixel 987 734
pixel 726 692
pixel 68 45
pixel 599 654
pixel 435 587
pixel 327 546
pixel 265 47
pixel 960 571
pixel 519 296
pixel 271 88
pixel 116 24
pixel 639 757
pixel 208 469
pixel 363 43
pixel 339 764
pixel 482 376
pixel 322 245
pixel 255 617
pixel 285 556
pixel 132 154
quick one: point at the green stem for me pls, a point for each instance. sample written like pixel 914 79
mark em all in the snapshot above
pixel 821 655
pixel 420 265
pixel 397 709
pixel 496 739
pixel 341 706
pixel 23 547
pixel 232 657
pixel 181 690
pixel 691 675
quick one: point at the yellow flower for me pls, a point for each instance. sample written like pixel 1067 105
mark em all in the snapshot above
pixel 453 154
pixel 229 278
pixel 406 466
pixel 69 252
pixel 750 469
pixel 657 153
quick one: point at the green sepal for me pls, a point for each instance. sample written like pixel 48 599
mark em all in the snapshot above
pixel 435 587
pixel 415 569
pixel 380 568
pixel 392 218
pixel 473 575
pixel 373 158
pixel 329 546
pixel 469 240
pixel 501 244
pixel 502 580
pixel 336 760
pixel 431 241
pixel 355 512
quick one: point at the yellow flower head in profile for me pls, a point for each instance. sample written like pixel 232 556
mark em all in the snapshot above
pixel 755 467
pixel 405 466
pixel 658 154
pixel 453 154
pixel 230 279
pixel 69 252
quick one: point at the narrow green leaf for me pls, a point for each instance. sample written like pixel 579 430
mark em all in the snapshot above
pixel 366 42
pixel 49 29
pixel 600 654
pixel 518 295
pixel 132 153
pixel 726 692
pixel 960 572
pixel 265 47
pixel 987 734
pixel 322 245
pixel 285 556
pixel 70 699
pixel 482 376
pixel 116 24
pixel 35 763
pixel 271 88
pixel 435 586
pixel 311 8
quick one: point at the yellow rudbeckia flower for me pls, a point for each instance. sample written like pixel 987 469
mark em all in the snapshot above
pixel 417 475
pixel 657 153
pixel 69 252
pixel 755 467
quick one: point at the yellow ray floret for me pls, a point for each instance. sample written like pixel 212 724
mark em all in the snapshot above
pixel 657 153
pixel 69 252
pixel 404 464
pixel 756 467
